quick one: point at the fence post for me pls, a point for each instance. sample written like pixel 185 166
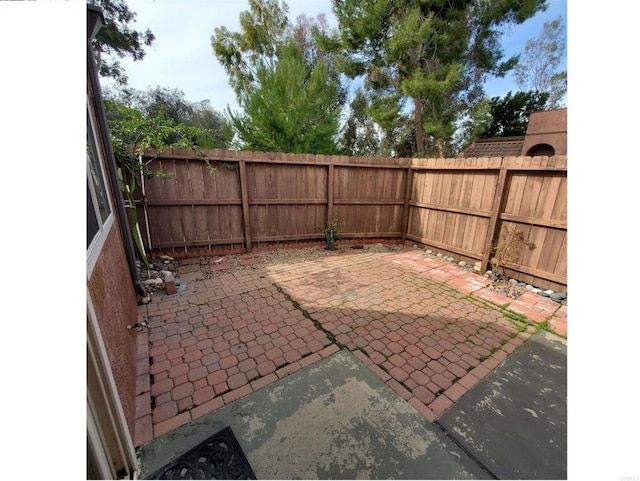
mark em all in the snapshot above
pixel 407 198
pixel 330 189
pixel 496 209
pixel 245 205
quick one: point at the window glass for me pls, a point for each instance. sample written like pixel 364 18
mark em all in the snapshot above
pixel 96 180
pixel 92 222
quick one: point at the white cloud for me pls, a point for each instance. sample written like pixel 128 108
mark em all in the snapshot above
pixel 181 56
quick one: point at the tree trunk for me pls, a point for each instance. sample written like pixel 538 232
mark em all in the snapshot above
pixel 441 146
pixel 417 112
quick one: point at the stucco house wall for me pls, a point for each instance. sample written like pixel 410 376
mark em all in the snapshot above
pixel 109 283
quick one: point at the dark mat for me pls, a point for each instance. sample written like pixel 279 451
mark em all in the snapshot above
pixel 514 422
pixel 219 457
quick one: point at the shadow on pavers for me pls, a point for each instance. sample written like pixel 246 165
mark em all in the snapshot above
pixel 332 420
pixel 514 421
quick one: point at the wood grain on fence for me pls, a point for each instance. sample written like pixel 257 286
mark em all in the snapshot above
pixel 459 206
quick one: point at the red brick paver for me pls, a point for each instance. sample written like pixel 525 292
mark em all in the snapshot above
pixel 419 323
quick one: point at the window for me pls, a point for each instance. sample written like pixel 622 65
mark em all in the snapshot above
pixel 99 216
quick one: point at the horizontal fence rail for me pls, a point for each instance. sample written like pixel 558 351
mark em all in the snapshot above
pixel 461 206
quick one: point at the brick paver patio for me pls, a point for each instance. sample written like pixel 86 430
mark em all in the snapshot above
pixel 421 324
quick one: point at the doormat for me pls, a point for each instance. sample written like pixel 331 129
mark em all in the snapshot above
pixel 219 457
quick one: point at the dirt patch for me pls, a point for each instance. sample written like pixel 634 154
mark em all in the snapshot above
pixel 508 289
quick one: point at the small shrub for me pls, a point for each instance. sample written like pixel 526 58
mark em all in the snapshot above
pixel 509 248
pixel 331 232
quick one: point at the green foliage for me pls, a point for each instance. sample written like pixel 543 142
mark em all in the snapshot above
pixel 359 135
pixel 264 29
pixel 539 66
pixel 134 134
pixel 510 115
pixel 433 54
pixel 292 109
pixel 499 117
pixel 331 232
pixel 212 130
pixel 116 39
pixel 475 123
pixel 285 81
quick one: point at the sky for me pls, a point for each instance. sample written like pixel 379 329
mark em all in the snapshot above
pixel 181 57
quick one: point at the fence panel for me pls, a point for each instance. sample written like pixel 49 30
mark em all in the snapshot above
pixel 287 201
pixel 368 201
pixel 190 206
pixel 536 205
pixel 459 206
pixel 451 203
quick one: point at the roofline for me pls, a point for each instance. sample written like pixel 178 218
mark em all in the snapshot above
pixel 513 138
pixel 95 20
pixel 550 110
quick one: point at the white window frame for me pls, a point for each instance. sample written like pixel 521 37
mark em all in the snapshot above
pixel 107 431
pixel 104 225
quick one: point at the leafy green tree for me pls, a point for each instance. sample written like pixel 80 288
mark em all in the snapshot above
pixel 291 109
pixel 472 125
pixel 287 84
pixel 117 39
pixel 539 68
pixel 214 131
pixel 499 117
pixel 134 134
pixel 359 135
pixel 510 115
pixel 217 128
pixel 264 30
pixel 431 56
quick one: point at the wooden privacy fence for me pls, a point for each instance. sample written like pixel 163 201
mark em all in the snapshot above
pixel 460 206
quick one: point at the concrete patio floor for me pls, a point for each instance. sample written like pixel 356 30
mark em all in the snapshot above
pixel 428 329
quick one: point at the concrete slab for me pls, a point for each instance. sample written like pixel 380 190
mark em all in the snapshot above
pixel 514 422
pixel 332 420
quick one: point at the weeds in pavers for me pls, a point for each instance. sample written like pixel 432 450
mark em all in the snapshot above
pixel 515 316
pixel 361 349
pixel 520 321
pixel 330 335
pixel 543 326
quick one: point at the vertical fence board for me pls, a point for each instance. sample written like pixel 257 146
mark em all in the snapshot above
pixel 246 215
pixel 561 265
pixel 445 191
pixel 530 195
pixel 551 250
pixel 480 233
pixel 197 191
pixel 212 191
pixel 516 191
pixel 547 197
pixel 535 235
pixel 469 233
pixel 466 190
pixel 560 207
